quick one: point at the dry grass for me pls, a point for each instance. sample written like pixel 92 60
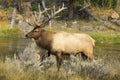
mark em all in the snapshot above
pixel 73 69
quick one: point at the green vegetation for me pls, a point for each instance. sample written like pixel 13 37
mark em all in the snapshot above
pixel 107 37
pixel 6 32
pixel 99 36
pixel 14 33
pixel 97 3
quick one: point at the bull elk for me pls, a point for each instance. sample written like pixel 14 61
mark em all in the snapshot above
pixel 61 43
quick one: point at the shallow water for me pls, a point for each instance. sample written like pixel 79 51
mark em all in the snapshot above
pixel 111 50
pixel 10 47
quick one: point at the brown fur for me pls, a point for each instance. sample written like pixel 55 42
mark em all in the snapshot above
pixel 60 43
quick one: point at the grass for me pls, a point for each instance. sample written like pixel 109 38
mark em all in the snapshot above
pixel 14 33
pixel 6 32
pixel 74 69
pixel 107 36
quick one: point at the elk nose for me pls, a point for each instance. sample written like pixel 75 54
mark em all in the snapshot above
pixel 26 35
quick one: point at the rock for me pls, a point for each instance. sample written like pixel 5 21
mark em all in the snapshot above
pixel 86 28
pixel 101 28
pixel 58 24
pixel 74 25
pixel 115 21
pixel 118 22
pixel 114 15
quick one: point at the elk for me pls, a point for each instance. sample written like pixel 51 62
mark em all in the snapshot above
pixel 62 43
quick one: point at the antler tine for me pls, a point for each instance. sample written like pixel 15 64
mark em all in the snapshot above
pixel 60 9
pixel 53 9
pixel 47 9
pixel 29 20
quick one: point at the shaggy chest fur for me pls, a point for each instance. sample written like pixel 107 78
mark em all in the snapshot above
pixel 45 40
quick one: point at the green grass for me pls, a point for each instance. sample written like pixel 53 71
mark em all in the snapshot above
pixel 6 32
pixel 107 36
pixel 14 33
pixel 100 36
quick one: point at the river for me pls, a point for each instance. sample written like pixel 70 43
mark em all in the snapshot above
pixel 11 47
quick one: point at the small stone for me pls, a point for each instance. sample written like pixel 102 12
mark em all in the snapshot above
pixel 118 22
pixel 101 28
pixel 115 15
pixel 86 28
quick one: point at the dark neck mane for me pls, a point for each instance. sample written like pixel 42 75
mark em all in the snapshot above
pixel 45 40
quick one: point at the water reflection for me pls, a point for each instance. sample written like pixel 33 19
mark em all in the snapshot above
pixel 107 49
pixel 10 47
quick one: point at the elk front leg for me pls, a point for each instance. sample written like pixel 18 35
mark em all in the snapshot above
pixel 45 56
pixel 59 60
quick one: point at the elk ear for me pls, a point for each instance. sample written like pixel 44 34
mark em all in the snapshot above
pixel 36 30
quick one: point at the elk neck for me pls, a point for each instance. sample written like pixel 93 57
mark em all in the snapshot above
pixel 45 40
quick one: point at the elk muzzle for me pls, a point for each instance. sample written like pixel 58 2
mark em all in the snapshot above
pixel 28 35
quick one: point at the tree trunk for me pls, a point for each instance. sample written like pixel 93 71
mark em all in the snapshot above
pixel 118 3
pixel 13 17
pixel 70 9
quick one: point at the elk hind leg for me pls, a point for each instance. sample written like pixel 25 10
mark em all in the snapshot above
pixel 59 60
pixel 84 57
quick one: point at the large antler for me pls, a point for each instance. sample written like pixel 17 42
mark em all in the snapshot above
pixel 53 14
pixel 37 16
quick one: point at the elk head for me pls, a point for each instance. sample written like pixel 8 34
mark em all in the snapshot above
pixel 38 28
pixel 35 33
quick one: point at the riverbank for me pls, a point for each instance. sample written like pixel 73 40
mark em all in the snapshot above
pixel 109 36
